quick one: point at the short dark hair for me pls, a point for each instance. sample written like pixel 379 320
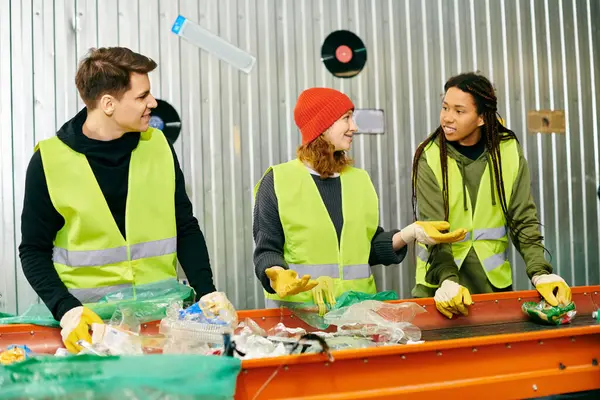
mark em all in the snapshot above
pixel 108 70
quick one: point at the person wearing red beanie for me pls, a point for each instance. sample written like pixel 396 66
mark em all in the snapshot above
pixel 317 216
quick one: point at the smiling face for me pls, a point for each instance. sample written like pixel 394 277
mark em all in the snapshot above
pixel 341 132
pixel 459 118
pixel 131 112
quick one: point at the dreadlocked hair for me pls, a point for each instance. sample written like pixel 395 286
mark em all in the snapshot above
pixel 494 132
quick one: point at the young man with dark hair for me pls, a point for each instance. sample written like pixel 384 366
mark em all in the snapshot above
pixel 105 205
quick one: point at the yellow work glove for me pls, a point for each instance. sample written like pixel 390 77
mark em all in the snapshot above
pixel 76 324
pixel 428 232
pixel 452 298
pixel 325 286
pixel 285 282
pixel 547 284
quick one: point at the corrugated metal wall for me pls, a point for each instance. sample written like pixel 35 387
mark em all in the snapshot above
pixel 540 54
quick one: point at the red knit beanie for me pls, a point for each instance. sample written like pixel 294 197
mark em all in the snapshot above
pixel 317 109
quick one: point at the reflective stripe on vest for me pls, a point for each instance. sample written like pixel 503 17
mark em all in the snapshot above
pixel 94 258
pixel 90 254
pixel 127 291
pixel 311 243
pixel 494 261
pixel 92 295
pixel 358 271
pixel 489 242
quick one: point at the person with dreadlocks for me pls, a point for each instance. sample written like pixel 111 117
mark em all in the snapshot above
pixel 317 216
pixel 472 173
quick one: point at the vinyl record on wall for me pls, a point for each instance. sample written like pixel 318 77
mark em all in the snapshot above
pixel 166 118
pixel 344 54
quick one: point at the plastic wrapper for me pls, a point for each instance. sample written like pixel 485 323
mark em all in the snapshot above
pixel 175 345
pixel 254 346
pixel 280 330
pixel 351 297
pixel 216 305
pixel 252 340
pixel 213 308
pixel 324 335
pixel 14 353
pixel 122 335
pixel 249 327
pixel 396 333
pixel 125 319
pixel 347 342
pixel 309 312
pixel 381 322
pixel 194 331
pixel 62 352
pixel 111 340
pixel 148 303
pixel 546 314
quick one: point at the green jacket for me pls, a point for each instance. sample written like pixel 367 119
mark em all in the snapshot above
pixel 431 208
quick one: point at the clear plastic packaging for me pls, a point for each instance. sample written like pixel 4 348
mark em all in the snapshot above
pixel 124 318
pixel 381 322
pixel 348 342
pixel 148 302
pixel 249 327
pixel 193 331
pixel 280 330
pixel 215 45
pixel 254 346
pixel 309 312
pixel 110 340
pixel 400 332
pixel 198 329
pixel 192 325
pixel 184 346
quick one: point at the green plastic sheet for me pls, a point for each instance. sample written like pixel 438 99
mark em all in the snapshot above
pixel 125 377
pixel 147 302
pixel 307 312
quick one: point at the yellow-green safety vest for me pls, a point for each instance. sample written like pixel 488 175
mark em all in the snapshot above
pixel 486 226
pixel 90 254
pixel 311 242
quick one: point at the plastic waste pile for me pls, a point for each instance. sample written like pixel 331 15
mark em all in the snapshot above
pixel 380 323
pixel 211 327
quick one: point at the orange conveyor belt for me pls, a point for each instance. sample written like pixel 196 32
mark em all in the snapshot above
pixel 495 352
